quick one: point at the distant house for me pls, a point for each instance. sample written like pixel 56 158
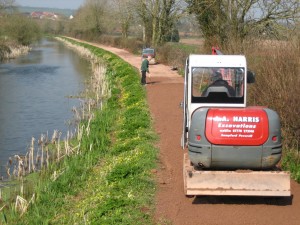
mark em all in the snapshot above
pixel 44 15
pixel 38 15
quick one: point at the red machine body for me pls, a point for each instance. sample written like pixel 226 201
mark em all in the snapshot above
pixel 235 126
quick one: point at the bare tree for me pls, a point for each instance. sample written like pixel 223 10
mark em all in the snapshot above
pixel 233 20
pixel 124 14
pixel 96 11
pixel 145 18
pixel 172 11
pixel 7 5
pixel 90 18
pixel 158 17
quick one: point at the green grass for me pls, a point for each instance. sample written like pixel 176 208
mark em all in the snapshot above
pixel 188 49
pixel 110 182
pixel 291 162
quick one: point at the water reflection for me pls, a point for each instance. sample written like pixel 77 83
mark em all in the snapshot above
pixel 36 71
pixel 35 57
pixel 33 95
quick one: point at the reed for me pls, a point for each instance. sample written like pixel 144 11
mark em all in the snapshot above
pixel 277 66
pixel 16 51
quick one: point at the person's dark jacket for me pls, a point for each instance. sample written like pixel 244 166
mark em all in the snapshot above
pixel 221 83
pixel 145 66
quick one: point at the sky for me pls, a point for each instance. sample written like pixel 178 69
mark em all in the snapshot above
pixel 60 4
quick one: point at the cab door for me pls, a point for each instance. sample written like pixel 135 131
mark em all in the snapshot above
pixel 184 105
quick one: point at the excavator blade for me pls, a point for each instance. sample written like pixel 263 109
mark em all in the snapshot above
pixel 242 183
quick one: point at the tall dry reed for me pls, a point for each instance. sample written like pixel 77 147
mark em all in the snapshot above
pixel 277 68
pixel 16 51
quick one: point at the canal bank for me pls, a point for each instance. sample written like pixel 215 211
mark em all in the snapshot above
pixel 110 180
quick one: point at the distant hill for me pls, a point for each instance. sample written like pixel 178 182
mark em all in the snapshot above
pixel 66 12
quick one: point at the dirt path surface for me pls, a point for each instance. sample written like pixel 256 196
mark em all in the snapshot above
pixel 164 93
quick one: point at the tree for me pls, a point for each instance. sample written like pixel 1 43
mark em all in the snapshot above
pixel 7 6
pixel 15 28
pixel 89 19
pixel 144 16
pixel 124 14
pixel 167 20
pixel 23 30
pixel 158 17
pixel 233 20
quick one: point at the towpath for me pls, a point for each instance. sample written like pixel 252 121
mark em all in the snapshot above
pixel 164 94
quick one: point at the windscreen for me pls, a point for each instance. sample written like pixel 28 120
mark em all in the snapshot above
pixel 148 51
pixel 218 84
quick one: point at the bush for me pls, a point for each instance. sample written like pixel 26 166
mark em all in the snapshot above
pixel 175 54
pixel 23 30
pixel 133 45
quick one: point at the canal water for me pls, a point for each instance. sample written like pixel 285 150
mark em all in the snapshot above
pixel 35 92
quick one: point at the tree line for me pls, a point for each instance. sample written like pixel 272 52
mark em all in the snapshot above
pixel 219 22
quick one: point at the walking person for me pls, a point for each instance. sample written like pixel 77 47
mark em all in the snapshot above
pixel 145 69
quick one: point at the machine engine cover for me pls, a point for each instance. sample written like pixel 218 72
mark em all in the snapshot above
pixel 237 126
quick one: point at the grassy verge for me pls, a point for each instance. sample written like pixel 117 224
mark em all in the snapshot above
pixel 110 181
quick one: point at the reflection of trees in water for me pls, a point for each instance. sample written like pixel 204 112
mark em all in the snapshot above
pixel 34 57
pixel 30 69
pixel 80 63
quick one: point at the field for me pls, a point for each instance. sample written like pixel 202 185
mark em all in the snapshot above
pixel 192 41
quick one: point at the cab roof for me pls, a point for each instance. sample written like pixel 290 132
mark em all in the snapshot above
pixel 217 61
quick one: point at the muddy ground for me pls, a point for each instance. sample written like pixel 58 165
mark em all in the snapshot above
pixel 164 93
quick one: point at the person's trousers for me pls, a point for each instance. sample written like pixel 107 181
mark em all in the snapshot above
pixel 143 80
